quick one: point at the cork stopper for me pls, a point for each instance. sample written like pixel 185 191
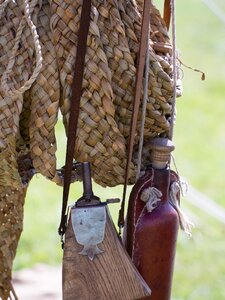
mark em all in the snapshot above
pixel 161 149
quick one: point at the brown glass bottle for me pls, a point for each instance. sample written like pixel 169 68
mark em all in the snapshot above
pixel 151 236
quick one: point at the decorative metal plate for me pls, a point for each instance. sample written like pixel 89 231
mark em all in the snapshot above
pixel 89 228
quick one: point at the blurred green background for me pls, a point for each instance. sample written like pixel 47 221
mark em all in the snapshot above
pixel 200 143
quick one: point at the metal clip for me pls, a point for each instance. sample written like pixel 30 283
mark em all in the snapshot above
pixel 113 200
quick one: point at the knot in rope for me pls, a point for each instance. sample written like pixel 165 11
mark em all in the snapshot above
pixel 151 196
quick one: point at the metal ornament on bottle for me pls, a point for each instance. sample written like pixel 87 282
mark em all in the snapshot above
pixel 89 228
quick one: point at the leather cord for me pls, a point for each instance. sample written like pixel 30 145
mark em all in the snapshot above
pixel 136 102
pixel 167 13
pixel 74 108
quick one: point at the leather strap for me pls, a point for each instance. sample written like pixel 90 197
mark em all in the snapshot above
pixel 167 13
pixel 75 106
pixel 137 98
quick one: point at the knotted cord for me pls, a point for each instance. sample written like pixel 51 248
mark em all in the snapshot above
pixel 151 196
pixel 185 224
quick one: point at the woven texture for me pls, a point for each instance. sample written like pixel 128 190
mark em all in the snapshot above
pixel 109 81
pixel 29 109
pixel 108 87
pixel 11 216
pixel 19 134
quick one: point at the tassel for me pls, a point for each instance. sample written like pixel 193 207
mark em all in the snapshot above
pixel 185 223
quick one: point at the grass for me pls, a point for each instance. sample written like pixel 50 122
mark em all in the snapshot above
pixel 200 143
pixel 199 269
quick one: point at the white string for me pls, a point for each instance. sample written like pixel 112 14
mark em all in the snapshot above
pixel 185 224
pixel 26 19
pixel 181 184
pixel 172 3
pixel 144 106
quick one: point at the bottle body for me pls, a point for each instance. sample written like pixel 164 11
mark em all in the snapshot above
pixel 152 235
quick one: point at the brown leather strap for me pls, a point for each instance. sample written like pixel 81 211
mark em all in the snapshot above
pixel 75 106
pixel 137 98
pixel 167 13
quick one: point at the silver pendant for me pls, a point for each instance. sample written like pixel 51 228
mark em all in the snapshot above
pixel 89 228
